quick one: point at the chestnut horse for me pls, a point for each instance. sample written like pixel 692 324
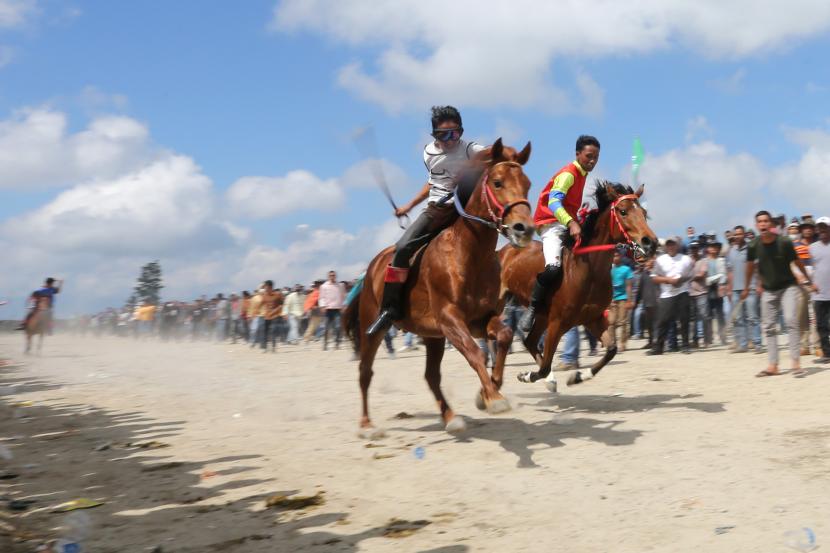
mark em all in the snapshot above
pixel 453 288
pixel 585 290
pixel 38 324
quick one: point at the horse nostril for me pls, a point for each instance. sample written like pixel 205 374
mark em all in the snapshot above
pixel 519 228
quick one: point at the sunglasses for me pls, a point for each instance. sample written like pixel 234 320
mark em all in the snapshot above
pixel 445 135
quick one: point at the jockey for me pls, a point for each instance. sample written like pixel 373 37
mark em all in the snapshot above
pixel 48 290
pixel 555 212
pixel 445 158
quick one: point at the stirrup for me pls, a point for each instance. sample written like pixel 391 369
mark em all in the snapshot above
pixel 381 323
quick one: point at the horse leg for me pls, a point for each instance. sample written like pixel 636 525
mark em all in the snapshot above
pixel 554 334
pixel 502 336
pixel 531 341
pixel 368 349
pixel 454 327
pixel 598 327
pixel 435 352
pixel 28 344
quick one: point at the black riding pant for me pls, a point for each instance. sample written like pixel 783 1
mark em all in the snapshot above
pixel 427 226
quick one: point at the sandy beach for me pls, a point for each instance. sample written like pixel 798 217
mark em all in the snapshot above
pixel 185 443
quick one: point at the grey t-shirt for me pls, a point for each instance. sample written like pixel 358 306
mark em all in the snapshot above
pixel 820 253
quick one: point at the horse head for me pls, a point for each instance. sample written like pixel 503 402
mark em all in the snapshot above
pixel 504 192
pixel 627 218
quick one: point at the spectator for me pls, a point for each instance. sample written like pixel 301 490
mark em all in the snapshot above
pixel 311 309
pixel 332 296
pixel 271 310
pixel 774 255
pixel 672 271
pixel 621 282
pixel 647 295
pixel 223 313
pixel 294 310
pixel 820 253
pixel 715 289
pixel 697 298
pixel 690 237
pixel 255 316
pixel 746 327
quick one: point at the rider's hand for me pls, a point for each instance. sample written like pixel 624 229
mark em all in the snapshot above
pixel 744 294
pixel 574 228
pixel 401 211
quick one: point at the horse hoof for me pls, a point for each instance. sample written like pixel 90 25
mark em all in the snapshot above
pixel 498 406
pixel 371 433
pixel 551 386
pixel 526 377
pixel 575 378
pixel 456 425
pixel 480 402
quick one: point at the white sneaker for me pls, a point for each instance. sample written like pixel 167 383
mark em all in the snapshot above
pixel 404 349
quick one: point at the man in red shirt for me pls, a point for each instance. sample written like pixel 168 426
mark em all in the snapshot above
pixel 555 216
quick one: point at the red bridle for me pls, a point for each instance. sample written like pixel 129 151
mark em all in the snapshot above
pixel 490 199
pixel 497 210
pixel 615 221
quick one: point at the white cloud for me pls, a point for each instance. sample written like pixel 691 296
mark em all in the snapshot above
pixel 805 182
pixel 733 84
pixel 702 185
pixel 259 197
pixel 163 207
pixel 507 54
pixel 14 13
pixel 262 197
pixel 698 128
pixel 36 149
pixel 94 99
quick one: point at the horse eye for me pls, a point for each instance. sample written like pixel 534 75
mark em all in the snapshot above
pixel 622 212
pixel 497 183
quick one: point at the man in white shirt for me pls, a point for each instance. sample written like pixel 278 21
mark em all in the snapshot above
pixel 672 271
pixel 820 254
pixel 332 297
pixel 445 158
pixel 294 309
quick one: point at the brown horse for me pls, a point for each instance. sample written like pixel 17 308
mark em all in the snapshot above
pixel 38 324
pixel 453 288
pixel 585 290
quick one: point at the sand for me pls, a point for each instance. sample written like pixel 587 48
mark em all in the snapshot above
pixel 672 453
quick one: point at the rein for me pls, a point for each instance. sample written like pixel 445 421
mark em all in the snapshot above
pixel 489 198
pixel 615 220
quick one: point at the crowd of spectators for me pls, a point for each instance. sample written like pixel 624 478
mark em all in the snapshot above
pixel 263 318
pixel 690 297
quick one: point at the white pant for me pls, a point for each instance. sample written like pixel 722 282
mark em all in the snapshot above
pixel 552 244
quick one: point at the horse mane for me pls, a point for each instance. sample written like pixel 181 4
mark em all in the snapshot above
pixel 602 202
pixel 467 181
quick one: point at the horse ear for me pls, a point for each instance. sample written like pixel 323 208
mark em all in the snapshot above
pixel 640 190
pixel 496 150
pixel 610 191
pixel 524 155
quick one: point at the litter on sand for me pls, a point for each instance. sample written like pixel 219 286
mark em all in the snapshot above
pixel 294 503
pixel 75 504
pixel 397 528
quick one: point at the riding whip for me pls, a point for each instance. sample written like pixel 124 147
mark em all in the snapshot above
pixel 366 143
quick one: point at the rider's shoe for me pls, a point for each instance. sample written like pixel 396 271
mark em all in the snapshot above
pixel 391 303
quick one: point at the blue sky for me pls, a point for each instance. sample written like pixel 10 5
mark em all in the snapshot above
pixel 261 99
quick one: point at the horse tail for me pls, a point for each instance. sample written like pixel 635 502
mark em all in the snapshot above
pixel 351 321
